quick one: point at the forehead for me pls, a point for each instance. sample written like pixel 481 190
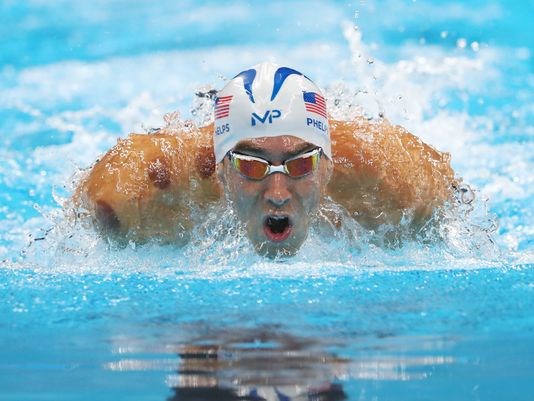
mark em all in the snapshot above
pixel 275 147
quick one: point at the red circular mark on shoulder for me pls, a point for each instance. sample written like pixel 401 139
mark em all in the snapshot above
pixel 159 173
pixel 106 216
pixel 205 162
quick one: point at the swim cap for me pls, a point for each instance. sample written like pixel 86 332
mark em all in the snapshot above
pixel 269 100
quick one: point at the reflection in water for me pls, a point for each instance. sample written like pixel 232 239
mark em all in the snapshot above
pixel 259 374
pixel 256 365
pixel 267 364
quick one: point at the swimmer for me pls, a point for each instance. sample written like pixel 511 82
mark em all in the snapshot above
pixel 273 155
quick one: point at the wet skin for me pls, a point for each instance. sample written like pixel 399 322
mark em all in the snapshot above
pixel 143 187
pixel 277 197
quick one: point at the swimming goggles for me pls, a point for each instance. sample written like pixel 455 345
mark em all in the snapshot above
pixel 257 168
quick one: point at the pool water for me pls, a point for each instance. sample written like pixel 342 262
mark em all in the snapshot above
pixel 432 320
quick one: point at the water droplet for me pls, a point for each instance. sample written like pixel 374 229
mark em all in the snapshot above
pixel 467 194
pixel 475 46
pixel 461 43
pixel 444 34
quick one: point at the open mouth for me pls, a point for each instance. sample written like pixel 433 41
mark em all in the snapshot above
pixel 277 228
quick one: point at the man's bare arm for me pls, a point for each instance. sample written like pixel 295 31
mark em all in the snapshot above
pixel 383 173
pixel 146 186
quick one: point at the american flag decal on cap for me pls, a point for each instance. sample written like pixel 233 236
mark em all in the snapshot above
pixel 222 106
pixel 315 103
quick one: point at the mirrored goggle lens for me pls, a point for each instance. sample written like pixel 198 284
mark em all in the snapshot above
pixel 303 165
pixel 251 168
pixel 257 168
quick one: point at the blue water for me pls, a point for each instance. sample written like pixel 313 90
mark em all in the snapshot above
pixel 446 320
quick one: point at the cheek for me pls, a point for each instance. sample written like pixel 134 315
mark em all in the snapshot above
pixel 313 202
pixel 313 191
pixel 310 196
pixel 244 194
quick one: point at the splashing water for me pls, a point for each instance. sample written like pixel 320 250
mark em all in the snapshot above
pixel 460 233
pixel 447 315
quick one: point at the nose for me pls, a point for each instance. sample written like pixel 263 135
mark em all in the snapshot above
pixel 277 189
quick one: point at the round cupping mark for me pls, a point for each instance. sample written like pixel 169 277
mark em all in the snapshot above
pixel 159 173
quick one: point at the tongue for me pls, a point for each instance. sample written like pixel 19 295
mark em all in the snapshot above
pixel 277 228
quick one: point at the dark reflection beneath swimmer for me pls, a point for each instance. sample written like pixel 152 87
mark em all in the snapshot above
pixel 257 365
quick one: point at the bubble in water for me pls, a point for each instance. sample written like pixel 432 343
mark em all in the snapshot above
pixel 467 194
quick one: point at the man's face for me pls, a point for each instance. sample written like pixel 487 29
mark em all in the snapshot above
pixel 277 209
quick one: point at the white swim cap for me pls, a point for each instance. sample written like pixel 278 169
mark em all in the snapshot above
pixel 269 100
